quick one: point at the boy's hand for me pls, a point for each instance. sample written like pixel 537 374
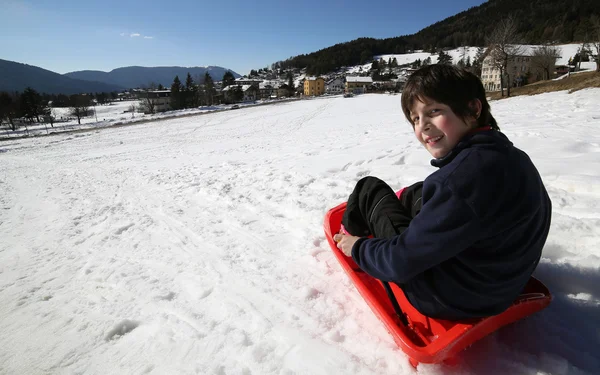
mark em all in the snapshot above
pixel 345 243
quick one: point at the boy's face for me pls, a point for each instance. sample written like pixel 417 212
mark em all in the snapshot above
pixel 437 127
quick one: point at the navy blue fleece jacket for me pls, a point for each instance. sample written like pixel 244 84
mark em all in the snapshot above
pixel 479 235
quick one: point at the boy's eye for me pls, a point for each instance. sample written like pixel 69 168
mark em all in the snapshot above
pixel 415 120
pixel 433 111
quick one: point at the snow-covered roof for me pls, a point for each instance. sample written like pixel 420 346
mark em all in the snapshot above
pixel 241 79
pixel 359 79
pixel 243 87
pixel 273 84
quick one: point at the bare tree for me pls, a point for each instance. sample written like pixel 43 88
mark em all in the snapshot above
pixel 583 51
pixel 596 39
pixel 463 56
pixel 80 106
pixel 544 60
pixel 147 103
pixel 8 108
pixel 505 44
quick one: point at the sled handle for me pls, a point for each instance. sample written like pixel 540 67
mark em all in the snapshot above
pixel 392 297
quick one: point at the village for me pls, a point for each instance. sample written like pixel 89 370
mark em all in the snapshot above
pixel 384 75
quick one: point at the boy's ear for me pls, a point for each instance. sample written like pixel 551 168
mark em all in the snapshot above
pixel 475 107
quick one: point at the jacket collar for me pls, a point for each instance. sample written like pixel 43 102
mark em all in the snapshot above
pixel 483 134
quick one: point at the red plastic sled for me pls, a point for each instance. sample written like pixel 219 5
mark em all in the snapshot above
pixel 429 340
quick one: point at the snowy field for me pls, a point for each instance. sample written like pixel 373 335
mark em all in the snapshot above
pixel 114 113
pixel 195 245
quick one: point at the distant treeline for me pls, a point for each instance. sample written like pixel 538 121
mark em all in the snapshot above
pixel 538 22
pixel 31 106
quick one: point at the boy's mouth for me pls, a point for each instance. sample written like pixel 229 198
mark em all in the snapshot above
pixel 433 140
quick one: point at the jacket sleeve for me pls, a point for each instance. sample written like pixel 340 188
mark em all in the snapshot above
pixel 445 226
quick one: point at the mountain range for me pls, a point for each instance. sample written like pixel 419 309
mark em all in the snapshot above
pixel 15 76
pixel 139 76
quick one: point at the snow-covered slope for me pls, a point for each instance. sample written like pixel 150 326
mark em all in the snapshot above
pixel 195 245
pixel 567 51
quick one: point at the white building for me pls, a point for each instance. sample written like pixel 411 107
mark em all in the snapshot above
pixel 250 92
pixel 159 99
pixel 358 85
pixel 519 70
pixel 334 86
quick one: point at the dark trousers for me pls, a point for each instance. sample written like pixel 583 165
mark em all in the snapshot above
pixel 374 209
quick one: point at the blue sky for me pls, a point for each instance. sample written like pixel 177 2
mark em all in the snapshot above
pixel 68 35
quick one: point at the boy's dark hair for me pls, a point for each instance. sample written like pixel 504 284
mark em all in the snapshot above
pixel 451 86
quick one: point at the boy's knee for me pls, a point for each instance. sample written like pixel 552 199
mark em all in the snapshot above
pixel 369 182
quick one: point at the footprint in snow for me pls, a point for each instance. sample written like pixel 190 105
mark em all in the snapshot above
pixel 206 293
pixel 311 293
pixel 122 328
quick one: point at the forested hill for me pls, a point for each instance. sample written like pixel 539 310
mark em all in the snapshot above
pixel 16 76
pixel 539 21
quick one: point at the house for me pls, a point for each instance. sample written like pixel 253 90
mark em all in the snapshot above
pixel 237 93
pixel 385 85
pixel 334 86
pixel 400 81
pixel 160 100
pixel 561 70
pixel 126 95
pixel 282 92
pixel 358 85
pixel 271 90
pixel 248 81
pixel 519 70
pixel 314 86
pixel 251 93
pixel 265 90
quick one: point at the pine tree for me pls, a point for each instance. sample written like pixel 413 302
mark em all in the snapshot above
pixel 191 90
pixel 209 88
pixel 478 61
pixel 444 58
pixel 228 79
pixel 375 65
pixel 382 65
pixel 31 104
pixel 176 93
pixel 290 84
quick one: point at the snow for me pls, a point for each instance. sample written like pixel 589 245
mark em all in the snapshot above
pixel 195 245
pixel 117 113
pixel 566 51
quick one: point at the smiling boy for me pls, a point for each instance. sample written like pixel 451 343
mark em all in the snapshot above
pixel 464 242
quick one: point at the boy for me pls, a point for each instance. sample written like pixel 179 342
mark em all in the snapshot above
pixel 463 243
